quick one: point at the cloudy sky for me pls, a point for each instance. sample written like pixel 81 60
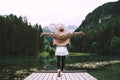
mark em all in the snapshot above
pixel 45 12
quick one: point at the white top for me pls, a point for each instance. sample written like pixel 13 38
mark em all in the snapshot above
pixel 61 51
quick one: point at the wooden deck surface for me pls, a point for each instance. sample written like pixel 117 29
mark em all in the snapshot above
pixel 64 76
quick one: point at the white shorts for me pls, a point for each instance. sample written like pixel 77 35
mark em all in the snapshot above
pixel 61 51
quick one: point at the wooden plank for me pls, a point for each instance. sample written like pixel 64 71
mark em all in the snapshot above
pixel 80 77
pixel 37 77
pixel 76 76
pixel 63 77
pixel 27 78
pixel 54 76
pixel 51 76
pixel 46 76
pixel 31 77
pixel 86 77
pixel 73 76
pixel 90 77
pixel 42 76
pixel 58 78
pixel 67 76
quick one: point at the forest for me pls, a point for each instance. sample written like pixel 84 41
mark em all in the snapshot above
pixel 18 38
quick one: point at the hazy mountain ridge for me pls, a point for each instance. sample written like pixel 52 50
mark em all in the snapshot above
pixel 70 28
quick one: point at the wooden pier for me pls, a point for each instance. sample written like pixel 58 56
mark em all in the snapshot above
pixel 82 75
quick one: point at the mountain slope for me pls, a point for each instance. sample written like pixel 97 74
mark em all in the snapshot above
pixel 102 13
pixel 70 28
pixel 102 29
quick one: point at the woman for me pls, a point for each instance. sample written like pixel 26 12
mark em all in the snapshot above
pixel 61 38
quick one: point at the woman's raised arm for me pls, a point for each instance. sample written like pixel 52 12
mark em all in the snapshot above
pixel 77 33
pixel 47 34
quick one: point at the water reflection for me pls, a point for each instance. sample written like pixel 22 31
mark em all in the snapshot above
pixel 20 71
pixel 49 63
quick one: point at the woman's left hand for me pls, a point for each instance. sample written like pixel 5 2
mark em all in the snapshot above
pixel 81 33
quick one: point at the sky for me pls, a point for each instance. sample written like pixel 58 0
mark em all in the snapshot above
pixel 46 12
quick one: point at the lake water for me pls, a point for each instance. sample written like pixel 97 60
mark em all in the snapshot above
pixel 20 71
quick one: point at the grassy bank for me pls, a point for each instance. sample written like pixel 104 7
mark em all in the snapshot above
pixel 90 61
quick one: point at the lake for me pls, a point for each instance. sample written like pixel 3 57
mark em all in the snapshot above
pixel 20 70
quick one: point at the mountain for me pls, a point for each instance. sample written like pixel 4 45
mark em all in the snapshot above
pixel 102 30
pixel 70 28
pixel 46 29
pixel 102 14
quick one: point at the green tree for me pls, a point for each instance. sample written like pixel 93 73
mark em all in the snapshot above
pixel 18 38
